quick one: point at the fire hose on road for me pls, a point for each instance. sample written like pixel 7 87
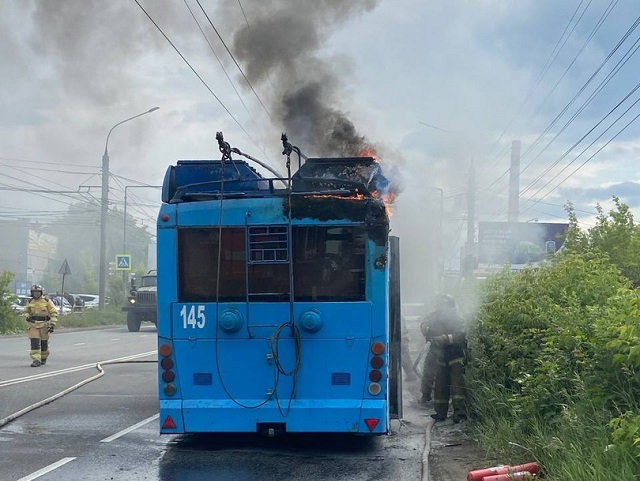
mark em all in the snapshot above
pixel 128 359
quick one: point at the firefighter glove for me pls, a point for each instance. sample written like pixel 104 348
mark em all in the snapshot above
pixel 441 341
pixel 51 328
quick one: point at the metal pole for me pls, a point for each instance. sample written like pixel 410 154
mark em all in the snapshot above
pixel 124 242
pixel 104 210
pixel 440 242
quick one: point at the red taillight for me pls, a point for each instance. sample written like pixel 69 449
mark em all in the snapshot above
pixel 377 362
pixel 371 423
pixel 167 363
pixel 375 375
pixel 168 423
pixel 377 348
pixel 165 217
pixel 165 350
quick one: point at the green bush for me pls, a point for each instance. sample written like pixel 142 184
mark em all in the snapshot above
pixel 10 321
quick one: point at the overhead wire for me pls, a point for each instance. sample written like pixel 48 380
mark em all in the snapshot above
pixel 226 109
pixel 575 58
pixel 200 77
pixel 234 60
pixel 580 91
pixel 249 26
pixel 219 61
pixel 552 57
pixel 590 145
pixel 630 52
pixel 548 169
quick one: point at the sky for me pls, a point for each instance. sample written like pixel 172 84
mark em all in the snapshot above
pixel 433 86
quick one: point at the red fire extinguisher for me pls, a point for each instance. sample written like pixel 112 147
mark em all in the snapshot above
pixel 480 474
pixel 511 476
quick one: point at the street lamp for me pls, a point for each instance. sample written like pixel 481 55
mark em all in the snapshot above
pixel 104 211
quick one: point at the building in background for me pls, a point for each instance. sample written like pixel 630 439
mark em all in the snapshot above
pixel 516 244
pixel 26 252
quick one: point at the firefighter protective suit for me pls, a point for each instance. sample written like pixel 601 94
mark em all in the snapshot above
pixel 42 316
pixel 448 342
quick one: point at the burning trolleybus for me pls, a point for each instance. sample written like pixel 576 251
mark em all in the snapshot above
pixel 278 305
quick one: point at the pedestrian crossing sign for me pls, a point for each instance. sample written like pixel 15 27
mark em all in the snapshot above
pixel 123 262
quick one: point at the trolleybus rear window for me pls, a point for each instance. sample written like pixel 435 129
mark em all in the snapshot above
pixel 328 264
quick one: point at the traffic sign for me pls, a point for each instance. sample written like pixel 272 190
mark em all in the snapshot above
pixel 123 262
pixel 65 270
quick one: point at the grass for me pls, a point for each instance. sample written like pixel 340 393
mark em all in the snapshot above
pixel 12 323
pixel 574 446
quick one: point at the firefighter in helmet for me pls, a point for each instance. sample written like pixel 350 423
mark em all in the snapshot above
pixel 42 317
pixel 448 341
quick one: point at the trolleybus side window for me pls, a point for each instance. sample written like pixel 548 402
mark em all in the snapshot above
pixel 198 264
pixel 329 263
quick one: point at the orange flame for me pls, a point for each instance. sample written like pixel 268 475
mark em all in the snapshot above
pixel 387 198
pixel 368 152
pixel 387 201
pixel 333 196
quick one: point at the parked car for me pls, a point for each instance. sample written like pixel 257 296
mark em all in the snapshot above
pixel 90 300
pixel 19 303
pixel 66 306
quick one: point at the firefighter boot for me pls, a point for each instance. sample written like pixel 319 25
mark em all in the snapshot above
pixel 35 352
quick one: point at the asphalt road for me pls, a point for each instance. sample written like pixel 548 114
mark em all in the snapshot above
pixel 107 429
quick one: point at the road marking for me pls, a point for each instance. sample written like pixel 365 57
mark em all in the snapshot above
pixel 79 343
pixel 46 469
pixel 10 382
pixel 129 429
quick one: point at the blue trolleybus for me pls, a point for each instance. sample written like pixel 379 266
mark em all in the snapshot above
pixel 278 298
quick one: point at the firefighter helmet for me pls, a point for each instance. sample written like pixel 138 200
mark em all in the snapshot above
pixel 446 301
pixel 37 287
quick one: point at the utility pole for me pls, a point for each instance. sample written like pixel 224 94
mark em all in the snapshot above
pixel 104 211
pixel 514 183
pixel 469 257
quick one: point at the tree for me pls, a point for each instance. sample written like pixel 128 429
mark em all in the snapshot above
pixel 614 235
pixel 9 321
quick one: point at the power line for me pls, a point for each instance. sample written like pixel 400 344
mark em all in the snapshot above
pixel 193 69
pixel 590 145
pixel 219 61
pixel 540 77
pixel 623 60
pixel 201 79
pixel 234 59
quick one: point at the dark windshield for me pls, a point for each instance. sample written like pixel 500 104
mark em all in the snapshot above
pixel 149 281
